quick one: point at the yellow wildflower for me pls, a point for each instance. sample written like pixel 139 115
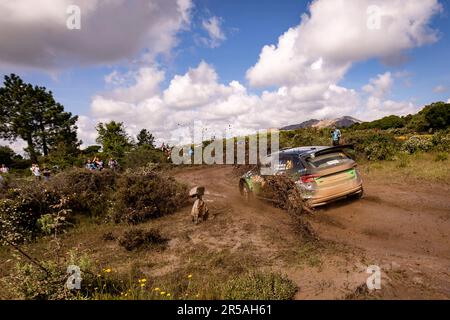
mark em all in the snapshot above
pixel 107 270
pixel 163 293
pixel 190 276
pixel 157 289
pixel 168 294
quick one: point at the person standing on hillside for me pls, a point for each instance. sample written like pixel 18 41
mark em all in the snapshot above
pixel 4 169
pixel 46 173
pixel 336 136
pixel 36 171
pixel 113 164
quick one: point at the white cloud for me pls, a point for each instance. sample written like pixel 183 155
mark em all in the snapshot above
pixel 337 32
pixel 34 34
pixel 17 146
pixel 439 89
pixel 198 95
pixel 377 108
pixel 377 105
pixel 213 27
pixel 379 87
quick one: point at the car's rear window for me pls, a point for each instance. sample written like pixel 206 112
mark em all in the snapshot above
pixel 327 160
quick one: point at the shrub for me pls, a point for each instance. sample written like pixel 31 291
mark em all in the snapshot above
pixel 305 137
pixel 441 156
pixel 21 210
pixel 441 141
pixel 54 222
pixel 108 236
pixel 141 156
pixel 260 286
pixel 138 238
pixel 418 143
pixel 87 191
pixel 30 282
pixel 373 145
pixel 142 196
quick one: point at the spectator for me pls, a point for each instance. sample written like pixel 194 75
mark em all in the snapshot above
pixel 4 169
pixel 336 136
pixel 112 164
pixel 99 164
pixel 46 173
pixel 36 171
pixel 90 165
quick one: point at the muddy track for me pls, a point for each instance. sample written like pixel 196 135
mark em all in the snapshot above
pixel 403 228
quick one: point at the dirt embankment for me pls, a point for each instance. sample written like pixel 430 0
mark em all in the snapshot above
pixel 403 228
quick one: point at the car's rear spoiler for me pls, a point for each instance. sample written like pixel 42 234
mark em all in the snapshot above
pixel 328 150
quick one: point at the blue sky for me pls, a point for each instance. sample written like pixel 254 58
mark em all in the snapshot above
pixel 245 27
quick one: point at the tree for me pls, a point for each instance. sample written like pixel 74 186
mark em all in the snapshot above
pixel 6 155
pixel 90 150
pixel 145 138
pixel 113 138
pixel 438 115
pixel 32 114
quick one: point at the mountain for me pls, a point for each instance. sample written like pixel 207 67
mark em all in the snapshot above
pixel 342 122
pixel 305 124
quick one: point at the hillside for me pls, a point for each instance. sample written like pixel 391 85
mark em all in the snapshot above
pixel 342 122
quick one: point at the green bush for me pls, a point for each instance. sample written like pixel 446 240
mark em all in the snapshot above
pixel 373 145
pixel 441 141
pixel 21 210
pixel 87 191
pixel 260 286
pixel 305 137
pixel 417 143
pixel 44 207
pixel 144 195
pixel 141 156
pixel 30 282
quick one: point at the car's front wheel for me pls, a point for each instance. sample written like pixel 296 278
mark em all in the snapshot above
pixel 246 193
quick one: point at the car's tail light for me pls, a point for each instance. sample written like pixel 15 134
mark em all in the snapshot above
pixel 308 178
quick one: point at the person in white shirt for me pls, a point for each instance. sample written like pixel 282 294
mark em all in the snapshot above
pixel 4 169
pixel 36 171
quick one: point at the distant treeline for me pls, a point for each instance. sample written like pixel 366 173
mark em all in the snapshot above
pixel 435 116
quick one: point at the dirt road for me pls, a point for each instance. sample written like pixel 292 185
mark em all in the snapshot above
pixel 402 228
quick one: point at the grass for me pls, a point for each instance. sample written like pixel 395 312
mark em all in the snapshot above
pixel 186 271
pixel 416 167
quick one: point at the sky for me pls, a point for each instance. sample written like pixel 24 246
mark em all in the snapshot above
pixel 247 65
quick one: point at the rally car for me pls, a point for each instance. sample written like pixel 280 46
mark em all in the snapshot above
pixel 321 174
